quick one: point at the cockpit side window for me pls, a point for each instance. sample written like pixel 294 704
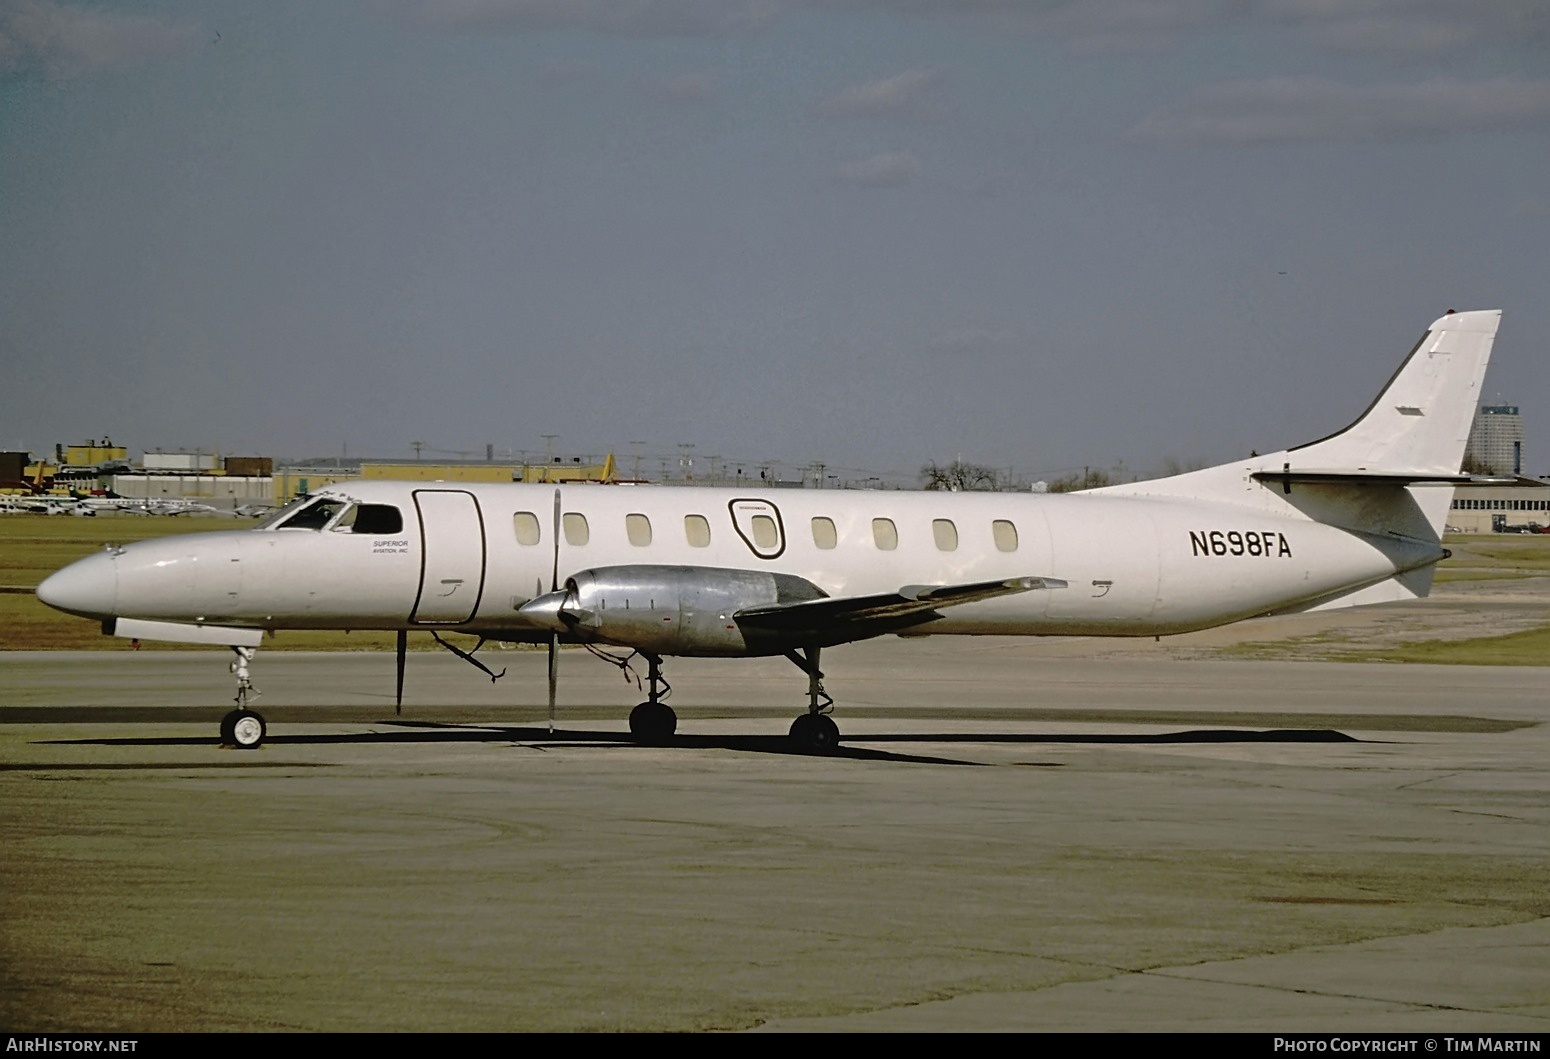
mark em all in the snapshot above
pixel 314 516
pixel 377 519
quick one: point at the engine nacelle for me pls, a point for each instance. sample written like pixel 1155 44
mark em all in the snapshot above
pixel 676 610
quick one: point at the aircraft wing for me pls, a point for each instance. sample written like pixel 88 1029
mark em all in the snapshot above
pixel 833 621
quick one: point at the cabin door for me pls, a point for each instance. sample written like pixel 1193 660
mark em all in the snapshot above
pixel 452 556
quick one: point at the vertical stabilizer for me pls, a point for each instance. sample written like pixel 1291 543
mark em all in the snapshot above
pixel 1391 471
pixel 1420 422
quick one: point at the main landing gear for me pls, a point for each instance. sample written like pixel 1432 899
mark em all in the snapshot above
pixel 243 728
pixel 815 731
pixel 653 721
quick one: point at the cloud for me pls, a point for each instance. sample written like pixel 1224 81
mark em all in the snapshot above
pixel 687 88
pixel 567 71
pixel 973 341
pixel 1292 110
pixel 50 39
pixel 1411 27
pixel 623 18
pixel 1087 25
pixel 1398 27
pixel 893 169
pixel 1530 209
pixel 1119 25
pixel 906 95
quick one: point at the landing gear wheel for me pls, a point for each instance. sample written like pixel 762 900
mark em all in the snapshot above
pixel 814 733
pixel 652 722
pixel 243 729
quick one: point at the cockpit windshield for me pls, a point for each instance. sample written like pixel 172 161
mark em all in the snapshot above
pixel 304 513
pixel 308 512
pixel 280 514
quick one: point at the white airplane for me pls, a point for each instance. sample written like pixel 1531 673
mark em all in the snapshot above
pixel 1351 519
pixel 23 505
pixel 43 504
pixel 173 505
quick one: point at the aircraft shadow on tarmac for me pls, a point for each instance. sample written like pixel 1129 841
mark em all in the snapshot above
pixel 543 739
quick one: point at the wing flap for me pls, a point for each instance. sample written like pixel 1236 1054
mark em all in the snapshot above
pixel 858 617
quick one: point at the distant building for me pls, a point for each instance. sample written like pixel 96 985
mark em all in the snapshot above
pixel 13 466
pixel 180 462
pixel 1500 507
pixel 1496 441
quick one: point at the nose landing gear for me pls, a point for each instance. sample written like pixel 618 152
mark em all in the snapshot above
pixel 242 728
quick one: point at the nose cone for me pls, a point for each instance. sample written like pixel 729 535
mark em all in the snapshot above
pixel 88 587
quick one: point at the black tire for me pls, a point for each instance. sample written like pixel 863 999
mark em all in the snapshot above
pixel 228 723
pixel 815 733
pixel 247 729
pixel 653 722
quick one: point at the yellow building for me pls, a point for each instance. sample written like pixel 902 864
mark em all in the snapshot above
pixel 292 482
pixel 440 472
pixel 417 471
pixel 90 453
pixel 289 484
pixel 604 472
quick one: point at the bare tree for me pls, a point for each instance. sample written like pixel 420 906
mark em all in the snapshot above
pixel 1471 465
pixel 960 477
pixel 1172 465
pixel 1089 478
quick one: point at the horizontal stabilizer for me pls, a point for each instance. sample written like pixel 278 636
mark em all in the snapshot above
pixel 1332 476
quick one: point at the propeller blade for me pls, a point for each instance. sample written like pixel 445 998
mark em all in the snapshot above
pixel 403 646
pixel 554 577
pixel 554 675
pixel 554 638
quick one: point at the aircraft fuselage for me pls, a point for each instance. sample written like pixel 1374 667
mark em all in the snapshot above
pixel 468 557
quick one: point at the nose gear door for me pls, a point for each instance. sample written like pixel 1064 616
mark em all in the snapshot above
pixel 452 556
pixel 758 522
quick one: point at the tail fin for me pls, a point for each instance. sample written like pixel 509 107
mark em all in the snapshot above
pixel 1420 423
pixel 1373 475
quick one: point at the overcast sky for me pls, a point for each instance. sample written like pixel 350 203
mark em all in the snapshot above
pixel 870 232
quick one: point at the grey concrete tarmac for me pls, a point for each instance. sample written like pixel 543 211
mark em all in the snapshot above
pixel 1017 835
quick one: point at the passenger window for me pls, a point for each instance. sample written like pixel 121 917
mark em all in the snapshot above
pixel 697 530
pixel 377 519
pixel 885 534
pixel 824 534
pixel 638 527
pixel 765 536
pixel 526 525
pixel 576 531
pixel 945 534
pixel 1005 534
